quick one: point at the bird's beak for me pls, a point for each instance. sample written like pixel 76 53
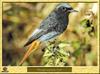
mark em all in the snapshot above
pixel 73 10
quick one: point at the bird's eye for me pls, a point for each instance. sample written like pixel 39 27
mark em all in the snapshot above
pixel 64 8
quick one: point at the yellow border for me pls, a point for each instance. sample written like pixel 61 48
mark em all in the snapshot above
pixel 50 0
pixel 1 33
pixel 23 69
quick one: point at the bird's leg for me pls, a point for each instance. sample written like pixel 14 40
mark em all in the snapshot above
pixel 32 48
pixel 52 42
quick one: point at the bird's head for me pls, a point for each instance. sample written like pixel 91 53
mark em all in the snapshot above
pixel 65 8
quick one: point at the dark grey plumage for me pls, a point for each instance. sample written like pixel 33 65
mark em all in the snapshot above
pixel 53 25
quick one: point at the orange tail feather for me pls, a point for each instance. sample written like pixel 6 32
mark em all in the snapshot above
pixel 32 48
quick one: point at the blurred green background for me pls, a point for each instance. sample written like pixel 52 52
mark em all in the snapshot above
pixel 20 19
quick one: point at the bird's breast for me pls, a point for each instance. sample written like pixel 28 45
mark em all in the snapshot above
pixel 62 22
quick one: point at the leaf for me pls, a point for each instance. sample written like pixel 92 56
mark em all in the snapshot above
pixel 47 55
pixel 62 45
pixel 14 19
pixel 83 22
pixel 57 61
pixel 77 52
pixel 62 52
pixel 76 44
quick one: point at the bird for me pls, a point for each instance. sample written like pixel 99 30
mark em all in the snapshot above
pixel 52 26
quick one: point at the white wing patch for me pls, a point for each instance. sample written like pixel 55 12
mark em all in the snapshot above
pixel 35 32
pixel 48 36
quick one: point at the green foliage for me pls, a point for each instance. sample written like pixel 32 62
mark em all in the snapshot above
pixel 55 55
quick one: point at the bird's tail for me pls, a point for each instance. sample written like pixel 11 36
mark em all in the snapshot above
pixel 34 46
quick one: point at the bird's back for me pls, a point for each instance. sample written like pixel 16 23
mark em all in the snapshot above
pixel 55 22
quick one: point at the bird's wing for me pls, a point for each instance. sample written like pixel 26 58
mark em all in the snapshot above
pixel 35 35
pixel 49 36
pixel 45 27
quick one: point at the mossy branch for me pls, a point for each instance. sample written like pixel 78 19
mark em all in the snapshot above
pixel 55 55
